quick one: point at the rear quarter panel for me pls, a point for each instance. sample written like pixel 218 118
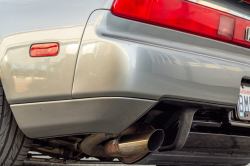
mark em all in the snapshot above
pixel 25 22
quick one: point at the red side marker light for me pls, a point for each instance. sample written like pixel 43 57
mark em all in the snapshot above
pixel 45 49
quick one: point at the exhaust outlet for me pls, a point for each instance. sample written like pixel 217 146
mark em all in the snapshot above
pixel 132 144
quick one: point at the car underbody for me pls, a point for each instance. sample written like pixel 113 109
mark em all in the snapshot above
pixel 194 132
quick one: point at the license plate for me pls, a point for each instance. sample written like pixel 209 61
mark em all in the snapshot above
pixel 243 108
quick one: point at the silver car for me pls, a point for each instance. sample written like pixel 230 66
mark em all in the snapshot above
pixel 161 82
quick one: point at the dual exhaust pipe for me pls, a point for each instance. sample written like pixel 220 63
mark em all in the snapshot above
pixel 134 144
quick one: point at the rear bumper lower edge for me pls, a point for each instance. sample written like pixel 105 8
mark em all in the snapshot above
pixel 109 115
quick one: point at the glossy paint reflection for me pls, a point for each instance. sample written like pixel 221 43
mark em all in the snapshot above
pixel 27 15
pixel 119 57
pixel 28 80
pixel 40 78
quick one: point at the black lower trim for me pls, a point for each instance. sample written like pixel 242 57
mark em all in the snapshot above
pixel 190 158
pixel 205 149
pixel 196 102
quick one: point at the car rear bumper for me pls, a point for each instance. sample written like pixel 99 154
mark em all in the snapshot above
pixel 119 57
pixel 93 115
pixel 125 67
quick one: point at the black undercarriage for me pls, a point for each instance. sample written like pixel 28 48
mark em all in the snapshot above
pixel 195 134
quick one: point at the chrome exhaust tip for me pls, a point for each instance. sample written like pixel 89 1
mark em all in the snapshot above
pixel 133 144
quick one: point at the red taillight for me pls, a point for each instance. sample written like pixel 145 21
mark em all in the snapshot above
pixel 45 49
pixel 185 16
pixel 240 32
pixel 248 1
pixel 134 8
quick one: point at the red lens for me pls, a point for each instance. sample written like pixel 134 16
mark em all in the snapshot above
pixel 186 16
pixel 178 14
pixel 226 26
pixel 134 8
pixel 45 49
pixel 248 1
pixel 240 32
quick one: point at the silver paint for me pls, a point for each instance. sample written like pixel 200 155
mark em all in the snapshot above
pixel 39 79
pixel 23 23
pixel 119 57
pixel 51 78
pixel 93 115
